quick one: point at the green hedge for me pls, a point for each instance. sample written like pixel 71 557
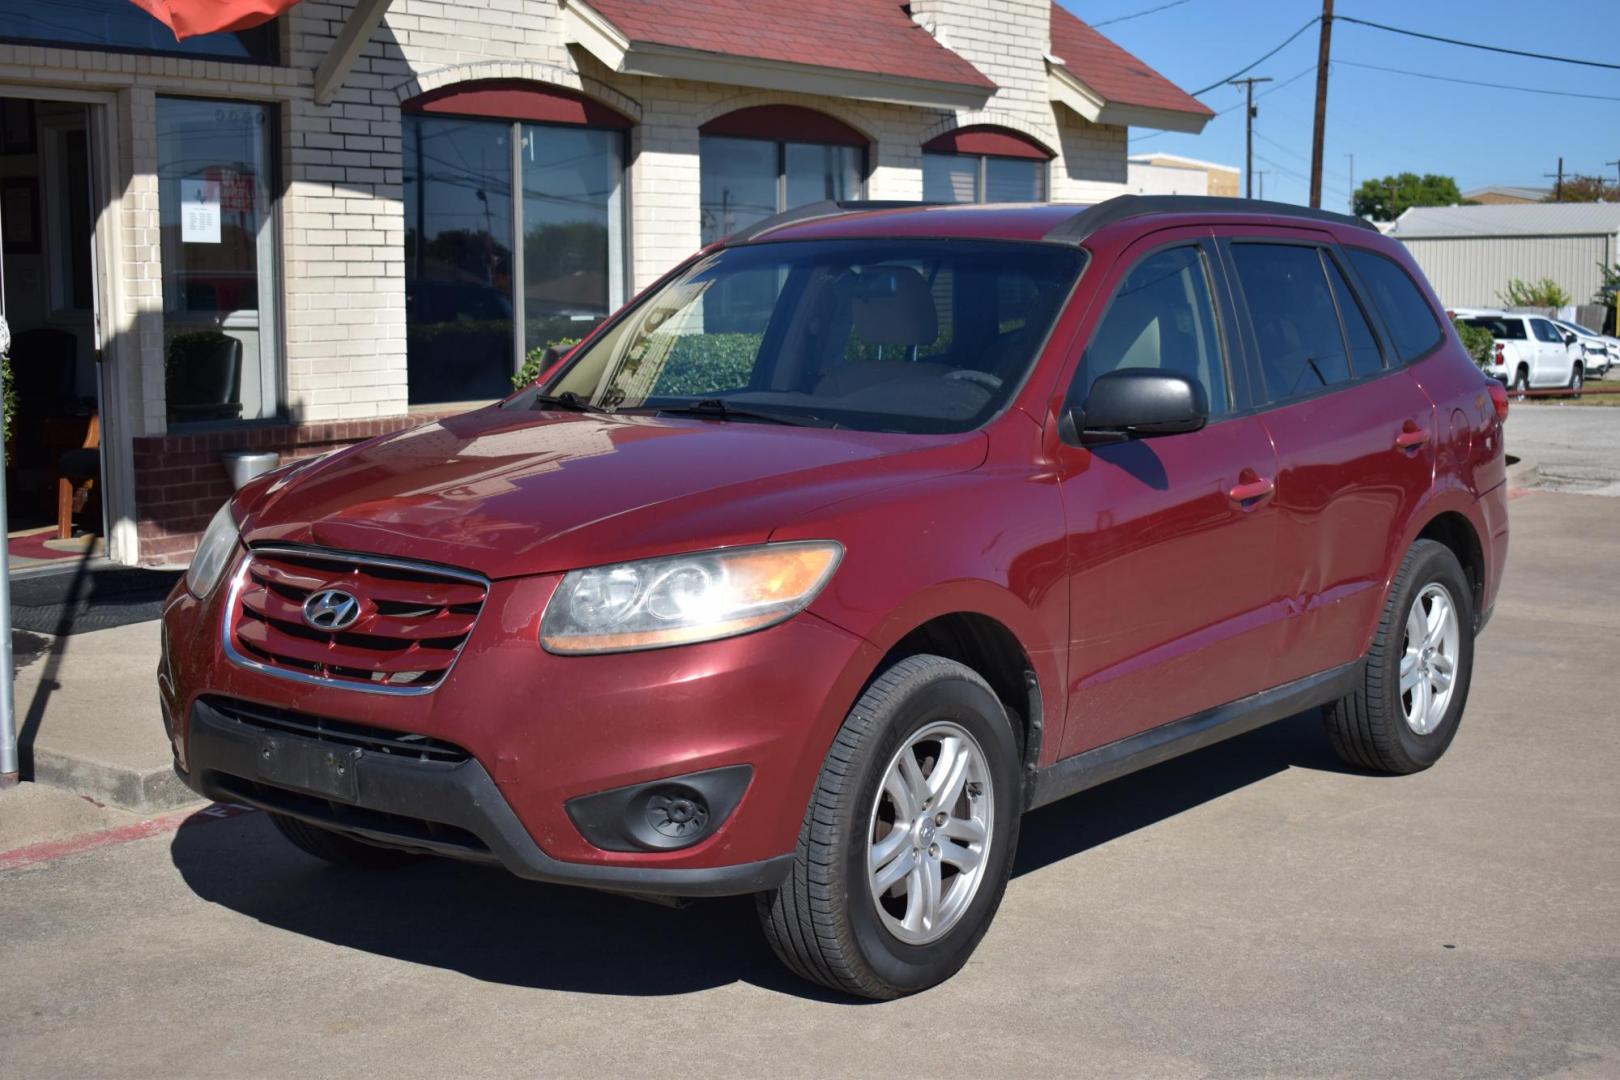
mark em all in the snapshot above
pixel 1479 343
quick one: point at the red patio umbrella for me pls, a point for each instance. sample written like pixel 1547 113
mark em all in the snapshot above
pixel 189 18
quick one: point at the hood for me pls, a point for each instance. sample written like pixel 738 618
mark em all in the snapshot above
pixel 509 493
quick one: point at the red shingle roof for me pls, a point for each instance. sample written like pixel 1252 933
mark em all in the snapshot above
pixel 872 36
pixel 1112 72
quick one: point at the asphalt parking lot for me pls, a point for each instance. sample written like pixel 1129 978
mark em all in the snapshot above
pixel 1251 910
pixel 1575 447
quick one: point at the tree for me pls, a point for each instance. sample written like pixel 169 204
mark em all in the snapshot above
pixel 1389 198
pixel 1586 189
pixel 1608 294
pixel 1545 293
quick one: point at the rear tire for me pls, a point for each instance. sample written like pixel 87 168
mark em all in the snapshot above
pixel 1380 726
pixel 339 849
pixel 830 922
pixel 1521 382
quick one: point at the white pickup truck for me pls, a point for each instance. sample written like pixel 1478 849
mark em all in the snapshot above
pixel 1532 353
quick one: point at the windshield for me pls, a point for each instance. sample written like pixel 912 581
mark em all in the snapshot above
pixel 876 335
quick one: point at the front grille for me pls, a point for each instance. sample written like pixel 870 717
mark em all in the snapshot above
pixel 413 619
pixel 374 739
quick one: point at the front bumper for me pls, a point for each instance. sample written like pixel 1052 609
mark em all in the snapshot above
pixel 444 809
pixel 545 732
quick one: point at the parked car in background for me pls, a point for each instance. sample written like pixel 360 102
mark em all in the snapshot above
pixel 1531 352
pixel 1602 351
pixel 862 533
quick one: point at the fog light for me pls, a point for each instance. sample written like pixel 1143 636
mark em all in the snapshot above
pixel 677 812
pixel 661 815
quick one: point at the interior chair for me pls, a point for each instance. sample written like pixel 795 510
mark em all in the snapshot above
pixel 894 310
pixel 203 377
pixel 76 469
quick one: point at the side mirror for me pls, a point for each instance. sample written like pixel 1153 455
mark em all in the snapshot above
pixel 1137 403
pixel 1569 337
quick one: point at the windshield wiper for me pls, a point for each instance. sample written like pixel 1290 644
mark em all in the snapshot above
pixel 567 401
pixel 717 409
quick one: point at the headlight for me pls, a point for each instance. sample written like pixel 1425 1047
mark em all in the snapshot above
pixel 213 553
pixel 685 598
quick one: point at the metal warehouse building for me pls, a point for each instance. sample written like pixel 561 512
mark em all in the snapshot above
pixel 1470 253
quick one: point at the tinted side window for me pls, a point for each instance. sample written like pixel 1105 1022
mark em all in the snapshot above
pixel 1410 320
pixel 1365 356
pixel 1161 317
pixel 1295 320
pixel 1544 330
pixel 1501 329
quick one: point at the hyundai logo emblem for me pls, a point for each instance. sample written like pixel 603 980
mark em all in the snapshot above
pixel 331 610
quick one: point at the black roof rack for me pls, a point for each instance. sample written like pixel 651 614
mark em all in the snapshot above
pixel 825 208
pixel 1123 207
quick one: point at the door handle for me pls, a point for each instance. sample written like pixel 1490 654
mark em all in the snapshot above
pixel 1247 495
pixel 1412 438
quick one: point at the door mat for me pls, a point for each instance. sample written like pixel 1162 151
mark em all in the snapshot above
pixel 85 598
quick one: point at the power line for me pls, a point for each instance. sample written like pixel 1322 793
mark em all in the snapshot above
pixel 1250 67
pixel 1136 14
pixel 1263 137
pixel 1476 45
pixel 1298 75
pixel 1476 82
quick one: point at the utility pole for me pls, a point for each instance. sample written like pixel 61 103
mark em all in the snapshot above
pixel 1262 175
pixel 1350 178
pixel 1323 52
pixel 1248 126
pixel 1558 192
pixel 1616 165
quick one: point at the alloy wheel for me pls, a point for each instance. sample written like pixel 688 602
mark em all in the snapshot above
pixel 929 833
pixel 1429 658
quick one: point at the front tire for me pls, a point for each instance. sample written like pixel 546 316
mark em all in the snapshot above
pixel 908 840
pixel 1415 681
pixel 1577 379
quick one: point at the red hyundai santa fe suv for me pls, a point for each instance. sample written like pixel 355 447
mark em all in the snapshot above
pixel 853 538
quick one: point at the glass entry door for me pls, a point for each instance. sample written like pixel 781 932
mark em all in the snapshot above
pixel 49 299
pixel 219 261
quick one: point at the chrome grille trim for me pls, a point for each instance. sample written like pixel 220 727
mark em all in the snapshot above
pixel 233 607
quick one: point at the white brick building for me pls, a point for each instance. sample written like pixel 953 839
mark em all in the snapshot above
pixel 363 213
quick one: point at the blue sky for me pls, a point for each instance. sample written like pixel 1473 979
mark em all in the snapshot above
pixel 1391 123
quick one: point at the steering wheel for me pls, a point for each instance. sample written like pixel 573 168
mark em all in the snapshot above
pixel 983 378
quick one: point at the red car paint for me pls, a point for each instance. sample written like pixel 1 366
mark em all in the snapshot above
pixel 1144 581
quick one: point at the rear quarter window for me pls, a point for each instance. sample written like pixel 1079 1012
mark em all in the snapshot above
pixel 1407 315
pixel 1501 329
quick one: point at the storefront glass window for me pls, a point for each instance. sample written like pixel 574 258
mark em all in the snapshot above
pixel 570 204
pixel 458 259
pixel 954 178
pixel 462 217
pixel 748 180
pixel 215 189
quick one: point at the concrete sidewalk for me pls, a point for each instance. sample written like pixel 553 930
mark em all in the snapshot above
pixel 88 720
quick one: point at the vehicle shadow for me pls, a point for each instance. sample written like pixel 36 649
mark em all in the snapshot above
pixel 488 925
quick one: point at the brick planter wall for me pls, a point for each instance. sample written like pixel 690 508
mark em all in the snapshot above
pixel 180 480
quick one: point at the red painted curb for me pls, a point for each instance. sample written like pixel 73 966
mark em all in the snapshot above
pixel 51 850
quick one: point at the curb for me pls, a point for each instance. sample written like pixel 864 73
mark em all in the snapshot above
pixel 126 787
pixel 1523 473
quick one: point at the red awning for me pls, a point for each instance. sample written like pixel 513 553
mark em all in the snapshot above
pixel 189 18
